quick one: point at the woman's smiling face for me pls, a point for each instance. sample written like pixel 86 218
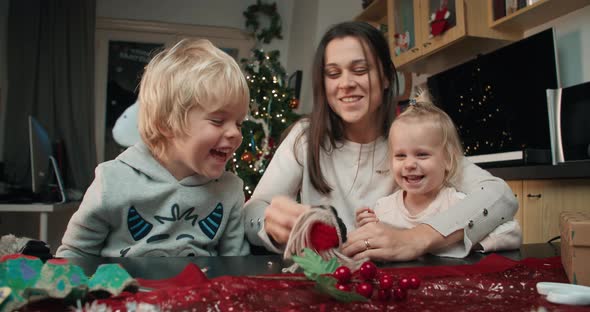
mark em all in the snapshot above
pixel 354 89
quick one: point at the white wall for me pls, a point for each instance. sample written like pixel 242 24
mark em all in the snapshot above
pixel 303 22
pixel 573 45
pixel 311 18
pixel 225 13
pixel 3 82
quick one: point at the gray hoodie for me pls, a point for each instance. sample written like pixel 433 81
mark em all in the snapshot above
pixel 135 207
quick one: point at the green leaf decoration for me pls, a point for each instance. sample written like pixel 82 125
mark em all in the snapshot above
pixel 326 285
pixel 313 265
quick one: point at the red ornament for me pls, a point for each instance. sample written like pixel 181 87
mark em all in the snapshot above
pixel 294 103
pixel 385 282
pixel 364 289
pixel 342 274
pixel 323 236
pixel 343 287
pixel 414 282
pixel 368 270
pixel 404 283
pixel 247 156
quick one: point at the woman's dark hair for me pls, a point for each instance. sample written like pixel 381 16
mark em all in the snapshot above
pixel 324 123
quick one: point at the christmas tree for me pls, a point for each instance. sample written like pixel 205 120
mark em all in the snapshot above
pixel 271 110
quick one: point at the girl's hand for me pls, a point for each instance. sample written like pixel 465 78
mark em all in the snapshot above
pixel 382 242
pixel 365 215
pixel 280 216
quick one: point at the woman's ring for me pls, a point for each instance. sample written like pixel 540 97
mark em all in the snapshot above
pixel 367 244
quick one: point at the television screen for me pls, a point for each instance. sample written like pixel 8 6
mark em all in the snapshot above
pixel 498 100
pixel 571 116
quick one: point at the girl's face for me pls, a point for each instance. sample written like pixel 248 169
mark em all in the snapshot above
pixel 418 157
pixel 353 87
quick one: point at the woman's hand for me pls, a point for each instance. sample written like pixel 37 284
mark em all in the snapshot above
pixel 365 215
pixel 382 242
pixel 280 216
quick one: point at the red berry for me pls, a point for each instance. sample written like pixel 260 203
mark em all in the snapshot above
pixel 385 281
pixel 404 283
pixel 343 287
pixel 368 270
pixel 364 289
pixel 399 293
pixel 342 274
pixel 414 282
pixel 383 294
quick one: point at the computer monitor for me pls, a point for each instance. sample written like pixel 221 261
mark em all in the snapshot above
pixel 43 165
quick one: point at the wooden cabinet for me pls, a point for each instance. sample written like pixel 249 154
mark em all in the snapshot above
pixel 541 202
pixel 467 32
pixel 535 14
pixel 516 186
pixel 472 29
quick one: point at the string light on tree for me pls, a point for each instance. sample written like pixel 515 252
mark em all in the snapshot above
pixel 473 109
pixel 271 104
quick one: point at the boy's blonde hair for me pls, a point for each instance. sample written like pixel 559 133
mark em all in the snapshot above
pixel 423 109
pixel 192 73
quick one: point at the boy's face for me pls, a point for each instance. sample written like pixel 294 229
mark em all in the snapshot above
pixel 418 160
pixel 212 138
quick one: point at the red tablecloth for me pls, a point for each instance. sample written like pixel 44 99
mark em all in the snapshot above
pixel 494 284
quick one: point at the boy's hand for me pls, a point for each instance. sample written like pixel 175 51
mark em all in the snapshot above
pixel 280 217
pixel 365 215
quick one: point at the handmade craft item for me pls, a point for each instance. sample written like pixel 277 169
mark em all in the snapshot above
pixel 30 280
pixel 321 230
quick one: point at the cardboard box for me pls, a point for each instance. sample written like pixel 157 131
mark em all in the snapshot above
pixel 575 246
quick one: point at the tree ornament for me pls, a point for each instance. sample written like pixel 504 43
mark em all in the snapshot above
pixel 294 103
pixel 247 157
pixel 270 10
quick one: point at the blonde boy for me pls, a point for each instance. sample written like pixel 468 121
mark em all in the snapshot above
pixel 169 195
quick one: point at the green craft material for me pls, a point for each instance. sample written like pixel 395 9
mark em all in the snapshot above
pixel 30 280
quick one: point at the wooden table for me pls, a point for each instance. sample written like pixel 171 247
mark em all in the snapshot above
pixel 272 264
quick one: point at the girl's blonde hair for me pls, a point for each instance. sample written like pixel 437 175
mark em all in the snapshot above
pixel 192 73
pixel 423 109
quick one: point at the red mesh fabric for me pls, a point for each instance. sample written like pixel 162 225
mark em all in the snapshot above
pixel 494 284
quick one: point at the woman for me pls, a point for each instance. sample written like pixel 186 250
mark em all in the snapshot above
pixel 338 157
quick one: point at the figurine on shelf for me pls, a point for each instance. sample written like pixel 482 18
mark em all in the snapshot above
pixel 439 20
pixel 402 42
